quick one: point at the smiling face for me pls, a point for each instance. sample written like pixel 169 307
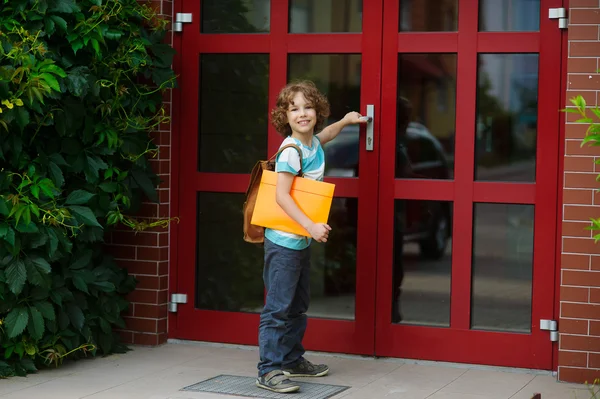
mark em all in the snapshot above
pixel 301 115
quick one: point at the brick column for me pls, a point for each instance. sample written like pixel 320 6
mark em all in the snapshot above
pixel 579 326
pixel 146 255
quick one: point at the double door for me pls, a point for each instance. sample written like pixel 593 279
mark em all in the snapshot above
pixel 443 223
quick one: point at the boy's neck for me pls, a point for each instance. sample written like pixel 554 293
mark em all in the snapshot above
pixel 305 138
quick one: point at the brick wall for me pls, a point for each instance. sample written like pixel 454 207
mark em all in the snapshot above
pixel 579 346
pixel 146 255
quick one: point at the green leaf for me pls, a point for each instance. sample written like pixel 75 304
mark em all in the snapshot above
pixel 36 270
pixel 22 117
pixel 85 215
pixel 46 309
pixel 16 321
pixel 36 325
pixel 3 208
pixel 76 46
pixel 53 242
pixel 108 187
pixel 51 81
pixel 142 179
pixel 3 230
pixel 79 283
pixel 79 197
pixel 105 286
pixel 56 174
pixel 112 34
pixel 83 259
pixel 75 315
pixel 50 26
pixel 65 6
pixel 16 275
pixel 61 23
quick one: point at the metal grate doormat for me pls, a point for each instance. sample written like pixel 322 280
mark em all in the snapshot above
pixel 245 386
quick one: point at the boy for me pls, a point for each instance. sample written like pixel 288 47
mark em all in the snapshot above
pixel 300 110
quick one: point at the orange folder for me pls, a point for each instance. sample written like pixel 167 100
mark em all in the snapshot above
pixel 312 197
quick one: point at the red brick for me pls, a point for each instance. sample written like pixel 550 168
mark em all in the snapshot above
pixel 587 81
pixel 579 164
pixel 165 182
pixel 575 229
pixel 594 328
pixel 589 95
pixel 572 261
pixel 147 282
pixel 581 278
pixel 575 147
pixel 163 297
pixel 164 152
pixel 575 130
pixel 143 296
pixel 163 239
pixel 133 238
pixel 164 196
pixel 126 336
pixel 139 267
pixel 161 325
pixel 595 295
pixel 150 311
pixel 151 253
pixel 594 360
pixel 121 251
pixel 578 212
pixel 573 326
pixel 595 262
pixel 162 338
pixel 140 325
pixel 579 311
pixel 580 246
pixel 163 268
pixel 574 359
pixel 582 32
pixel 580 343
pixel 581 180
pixel 584 16
pixel 577 375
pixel 149 210
pixel 583 197
pixel 145 339
pixel 582 4
pixel 570 294
pixel 164 283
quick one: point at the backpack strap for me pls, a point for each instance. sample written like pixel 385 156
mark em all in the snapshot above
pixel 300 173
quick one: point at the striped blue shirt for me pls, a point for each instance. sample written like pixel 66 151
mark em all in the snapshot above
pixel 313 167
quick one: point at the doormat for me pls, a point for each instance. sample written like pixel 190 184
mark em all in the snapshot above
pixel 244 386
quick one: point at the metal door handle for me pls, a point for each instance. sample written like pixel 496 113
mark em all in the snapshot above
pixel 370 115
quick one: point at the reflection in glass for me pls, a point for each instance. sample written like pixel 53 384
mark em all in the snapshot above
pixel 228 270
pixel 428 15
pixel 422 262
pixel 507 102
pixel 426 115
pixel 509 15
pixel 233 84
pixel 325 16
pixel 236 16
pixel 333 273
pixel 502 267
pixel 338 77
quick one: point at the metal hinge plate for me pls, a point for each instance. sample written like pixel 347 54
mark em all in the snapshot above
pixel 176 299
pixel 180 19
pixel 552 326
pixel 561 15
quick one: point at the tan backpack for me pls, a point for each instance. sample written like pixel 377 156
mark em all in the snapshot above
pixel 252 233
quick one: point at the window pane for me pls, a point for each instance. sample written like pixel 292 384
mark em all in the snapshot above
pixel 502 267
pixel 228 270
pixel 233 84
pixel 426 115
pixel 236 16
pixel 324 16
pixel 507 107
pixel 333 272
pixel 338 76
pixel 509 15
pixel 428 16
pixel 422 262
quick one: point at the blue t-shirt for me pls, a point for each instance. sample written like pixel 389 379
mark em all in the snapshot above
pixel 313 167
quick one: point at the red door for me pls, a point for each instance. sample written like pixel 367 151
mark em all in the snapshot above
pixel 442 230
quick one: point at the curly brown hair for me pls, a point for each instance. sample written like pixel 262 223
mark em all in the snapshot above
pixel 285 98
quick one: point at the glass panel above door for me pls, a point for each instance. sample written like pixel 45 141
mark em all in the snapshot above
pixel 338 77
pixel 509 15
pixel 507 109
pixel 236 16
pixel 238 85
pixel 325 16
pixel 428 16
pixel 426 116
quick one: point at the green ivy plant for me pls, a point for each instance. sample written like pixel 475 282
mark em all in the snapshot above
pixel 592 137
pixel 81 86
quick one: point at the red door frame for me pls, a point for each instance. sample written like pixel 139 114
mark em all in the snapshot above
pixel 449 344
pixel 359 337
pixel 231 327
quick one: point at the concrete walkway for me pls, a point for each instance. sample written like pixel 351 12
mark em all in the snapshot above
pixel 161 373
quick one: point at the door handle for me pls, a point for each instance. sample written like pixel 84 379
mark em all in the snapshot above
pixel 369 117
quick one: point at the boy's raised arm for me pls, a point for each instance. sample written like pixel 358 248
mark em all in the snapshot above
pixel 331 131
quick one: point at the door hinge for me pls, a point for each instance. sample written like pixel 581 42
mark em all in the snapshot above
pixel 552 326
pixel 561 15
pixel 176 299
pixel 180 19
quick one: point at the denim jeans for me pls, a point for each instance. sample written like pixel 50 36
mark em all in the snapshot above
pixel 283 320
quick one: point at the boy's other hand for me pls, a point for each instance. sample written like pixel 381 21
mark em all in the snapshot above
pixel 353 118
pixel 319 231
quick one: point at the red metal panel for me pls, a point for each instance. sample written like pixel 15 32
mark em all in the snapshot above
pixel 437 190
pixel 429 42
pixel 230 43
pixel 508 42
pixel 504 193
pixel 329 43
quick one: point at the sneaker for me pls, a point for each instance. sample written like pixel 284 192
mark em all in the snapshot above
pixel 276 381
pixel 307 369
